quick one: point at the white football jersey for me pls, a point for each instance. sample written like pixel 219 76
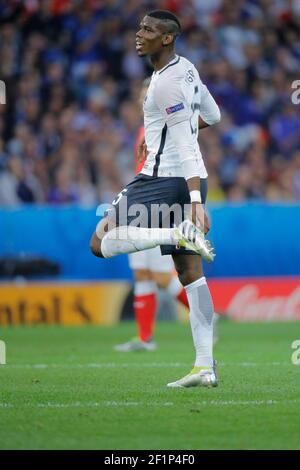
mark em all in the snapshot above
pixel 175 94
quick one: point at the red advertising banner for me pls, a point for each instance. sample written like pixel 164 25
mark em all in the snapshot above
pixel 257 299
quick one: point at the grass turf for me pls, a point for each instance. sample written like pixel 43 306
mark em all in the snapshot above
pixel 65 388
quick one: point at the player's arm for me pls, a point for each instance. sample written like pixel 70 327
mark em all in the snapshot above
pixel 202 124
pixel 199 216
pixel 183 140
pixel 209 110
pixel 209 115
pixel 176 110
pixel 141 149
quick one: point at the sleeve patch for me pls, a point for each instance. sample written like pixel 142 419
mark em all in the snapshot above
pixel 173 109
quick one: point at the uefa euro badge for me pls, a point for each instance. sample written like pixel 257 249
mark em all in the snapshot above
pixel 2 353
pixel 2 92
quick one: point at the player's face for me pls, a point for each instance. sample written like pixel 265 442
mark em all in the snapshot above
pixel 149 38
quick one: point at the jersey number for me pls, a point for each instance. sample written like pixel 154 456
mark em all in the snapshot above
pixel 119 196
pixel 190 76
pixel 195 106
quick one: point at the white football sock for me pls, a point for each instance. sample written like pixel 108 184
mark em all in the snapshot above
pixel 201 319
pixel 131 239
pixel 174 287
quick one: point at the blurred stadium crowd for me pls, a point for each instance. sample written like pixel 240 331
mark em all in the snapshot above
pixel 73 78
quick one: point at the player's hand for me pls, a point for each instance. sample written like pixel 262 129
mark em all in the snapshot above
pixel 142 151
pixel 200 217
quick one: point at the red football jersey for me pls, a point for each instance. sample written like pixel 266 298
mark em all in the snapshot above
pixel 139 139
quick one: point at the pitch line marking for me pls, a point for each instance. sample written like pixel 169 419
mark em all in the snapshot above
pixel 112 365
pixel 124 404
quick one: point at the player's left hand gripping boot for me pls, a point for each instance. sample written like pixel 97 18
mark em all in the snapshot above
pixel 199 376
pixel 192 238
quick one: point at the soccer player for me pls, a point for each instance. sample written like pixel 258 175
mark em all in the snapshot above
pixel 151 270
pixel 174 175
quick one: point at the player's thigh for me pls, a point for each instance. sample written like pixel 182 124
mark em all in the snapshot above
pixel 149 202
pixel 188 267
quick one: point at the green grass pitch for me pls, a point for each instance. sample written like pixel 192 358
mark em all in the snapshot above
pixel 65 388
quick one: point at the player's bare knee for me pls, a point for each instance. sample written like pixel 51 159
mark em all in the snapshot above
pixel 95 243
pixel 188 267
pixel 188 276
pixel 95 246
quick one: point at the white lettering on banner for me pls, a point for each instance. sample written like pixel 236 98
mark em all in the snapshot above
pixel 248 305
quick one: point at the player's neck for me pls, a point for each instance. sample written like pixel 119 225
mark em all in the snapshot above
pixel 159 61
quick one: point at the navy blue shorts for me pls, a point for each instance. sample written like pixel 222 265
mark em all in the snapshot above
pixel 146 200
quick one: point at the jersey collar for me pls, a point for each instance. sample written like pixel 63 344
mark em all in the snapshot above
pixel 174 61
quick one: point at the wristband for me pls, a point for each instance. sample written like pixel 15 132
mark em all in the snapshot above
pixel 195 196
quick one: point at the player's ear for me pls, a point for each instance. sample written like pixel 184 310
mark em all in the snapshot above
pixel 167 39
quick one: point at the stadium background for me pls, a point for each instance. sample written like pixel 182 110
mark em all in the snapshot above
pixel 67 134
